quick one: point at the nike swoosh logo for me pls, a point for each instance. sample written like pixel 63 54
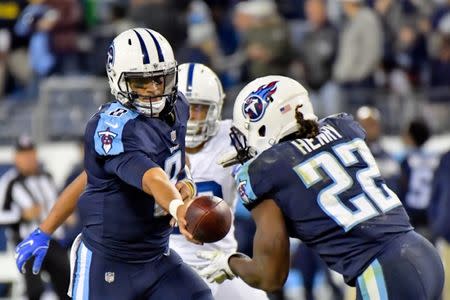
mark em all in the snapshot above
pixel 31 242
pixel 115 126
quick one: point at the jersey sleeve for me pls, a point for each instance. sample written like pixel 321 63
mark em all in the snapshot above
pixel 253 181
pixel 130 166
pixel 118 141
pixel 346 122
pixel 109 135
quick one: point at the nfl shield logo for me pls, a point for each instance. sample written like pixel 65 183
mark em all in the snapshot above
pixel 173 135
pixel 109 277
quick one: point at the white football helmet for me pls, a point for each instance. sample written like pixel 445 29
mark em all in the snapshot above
pixel 142 53
pixel 201 86
pixel 264 113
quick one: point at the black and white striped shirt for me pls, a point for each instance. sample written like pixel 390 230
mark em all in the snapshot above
pixel 18 192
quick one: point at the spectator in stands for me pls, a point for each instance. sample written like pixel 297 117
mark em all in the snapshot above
pixel 440 12
pixel 65 34
pixel 265 39
pixel 411 55
pixel 114 21
pixel 165 16
pixel 316 54
pixel 391 16
pixel 33 191
pixel 438 109
pixel 202 44
pixel 417 170
pixel 440 63
pixel 15 72
pixel 360 51
pixel 221 12
pixel 37 20
pixel 369 118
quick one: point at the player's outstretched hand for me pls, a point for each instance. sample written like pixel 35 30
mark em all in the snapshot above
pixel 36 244
pixel 182 223
pixel 218 270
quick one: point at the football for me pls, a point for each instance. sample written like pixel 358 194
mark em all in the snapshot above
pixel 208 219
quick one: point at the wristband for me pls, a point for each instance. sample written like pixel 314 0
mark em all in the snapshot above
pixel 192 187
pixel 173 207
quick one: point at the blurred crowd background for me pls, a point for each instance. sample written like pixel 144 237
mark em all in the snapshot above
pixel 385 61
pixel 394 54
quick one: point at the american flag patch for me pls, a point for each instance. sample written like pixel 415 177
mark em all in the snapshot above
pixel 285 108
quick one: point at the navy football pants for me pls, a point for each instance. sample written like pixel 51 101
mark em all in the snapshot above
pixel 96 277
pixel 409 268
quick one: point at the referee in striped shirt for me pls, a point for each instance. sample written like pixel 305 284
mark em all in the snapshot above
pixel 27 194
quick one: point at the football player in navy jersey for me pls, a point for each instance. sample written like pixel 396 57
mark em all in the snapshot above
pixel 317 181
pixel 134 183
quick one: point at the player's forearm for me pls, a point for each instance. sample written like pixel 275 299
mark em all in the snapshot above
pixel 269 266
pixel 156 183
pixel 253 274
pixel 65 205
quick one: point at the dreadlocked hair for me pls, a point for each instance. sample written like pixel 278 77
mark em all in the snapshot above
pixel 306 128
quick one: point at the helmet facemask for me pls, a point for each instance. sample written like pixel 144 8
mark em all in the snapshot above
pixel 150 92
pixel 244 152
pixel 203 122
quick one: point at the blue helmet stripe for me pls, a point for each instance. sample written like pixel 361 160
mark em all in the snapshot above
pixel 190 77
pixel 145 57
pixel 158 47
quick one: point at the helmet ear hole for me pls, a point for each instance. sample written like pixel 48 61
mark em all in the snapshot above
pixel 262 131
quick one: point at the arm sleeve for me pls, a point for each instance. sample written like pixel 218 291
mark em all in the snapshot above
pixel 252 181
pixel 130 166
pixel 345 120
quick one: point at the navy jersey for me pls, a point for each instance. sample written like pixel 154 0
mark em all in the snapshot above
pixel 331 194
pixel 417 171
pixel 119 220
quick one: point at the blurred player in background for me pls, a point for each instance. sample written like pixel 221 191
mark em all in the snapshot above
pixel 369 118
pixel 417 171
pixel 318 181
pixel 134 174
pixel 206 138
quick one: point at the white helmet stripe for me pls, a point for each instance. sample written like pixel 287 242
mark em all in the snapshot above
pixel 145 57
pixel 158 46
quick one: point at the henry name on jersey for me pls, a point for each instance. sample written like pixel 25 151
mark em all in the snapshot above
pixel 327 135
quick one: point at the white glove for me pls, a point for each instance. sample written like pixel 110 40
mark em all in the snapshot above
pixel 218 269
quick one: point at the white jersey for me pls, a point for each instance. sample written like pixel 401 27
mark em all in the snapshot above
pixel 211 179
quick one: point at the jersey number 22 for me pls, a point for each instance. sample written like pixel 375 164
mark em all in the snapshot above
pixel 374 199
